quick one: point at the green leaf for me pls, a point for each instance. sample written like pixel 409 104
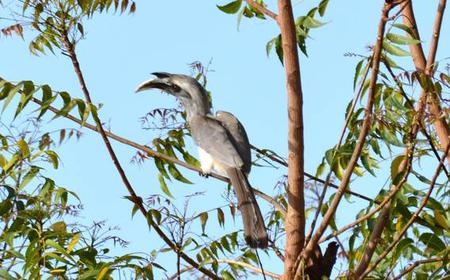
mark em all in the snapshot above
pixel 4 274
pixel 53 158
pixel 163 185
pixel 394 50
pixel 58 248
pixel 177 174
pixel 12 161
pixel 34 170
pixel 357 73
pixel 160 166
pixel 220 217
pixel 27 93
pixel 320 169
pixel 322 7
pixel 310 22
pixel 395 167
pixel 231 8
pixel 59 227
pixel 24 149
pixel 401 40
pixel 76 237
pixel 405 28
pixel 432 241
pixel 203 219
pixel 441 219
pixel 367 163
pixel 270 44
pixel 11 94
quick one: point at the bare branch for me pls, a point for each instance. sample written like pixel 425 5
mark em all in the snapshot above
pixel 165 157
pixel 361 138
pixel 310 176
pixel 386 200
pixel 414 265
pixel 229 261
pixel 135 198
pixel 295 218
pixel 426 66
pixel 439 120
pixel 262 9
pixel 328 178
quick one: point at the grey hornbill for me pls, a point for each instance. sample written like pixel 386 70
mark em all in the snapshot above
pixel 222 143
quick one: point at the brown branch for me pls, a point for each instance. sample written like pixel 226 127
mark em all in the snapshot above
pixel 426 66
pixel 439 122
pixel 228 261
pixel 411 105
pixel 70 48
pixel 295 218
pixel 262 9
pixel 414 265
pixel 361 138
pixel 162 156
pixel 380 206
pixel 328 178
pixel 410 221
pixel 310 176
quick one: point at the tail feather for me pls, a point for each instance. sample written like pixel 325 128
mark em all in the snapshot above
pixel 254 229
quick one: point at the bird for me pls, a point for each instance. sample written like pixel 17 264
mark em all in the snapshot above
pixel 222 143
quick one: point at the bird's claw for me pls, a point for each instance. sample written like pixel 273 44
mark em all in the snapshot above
pixel 203 174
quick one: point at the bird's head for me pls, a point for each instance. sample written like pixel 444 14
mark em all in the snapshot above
pixel 187 89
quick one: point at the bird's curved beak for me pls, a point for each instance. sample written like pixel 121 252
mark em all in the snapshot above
pixel 160 82
pixel 153 84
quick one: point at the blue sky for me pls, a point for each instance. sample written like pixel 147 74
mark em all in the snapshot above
pixel 121 51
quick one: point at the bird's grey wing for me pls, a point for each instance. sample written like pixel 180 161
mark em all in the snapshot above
pixel 214 139
pixel 238 136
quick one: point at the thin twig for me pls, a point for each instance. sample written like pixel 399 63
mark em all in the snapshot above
pixel 414 265
pixel 229 261
pixel 70 48
pixel 262 9
pixel 162 156
pixel 439 122
pixel 310 176
pixel 410 221
pixel 386 200
pixel 341 138
pixel 420 123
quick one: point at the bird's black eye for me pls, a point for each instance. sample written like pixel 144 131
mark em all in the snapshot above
pixel 175 88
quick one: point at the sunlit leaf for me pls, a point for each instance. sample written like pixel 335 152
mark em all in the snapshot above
pixel 402 40
pixel 231 8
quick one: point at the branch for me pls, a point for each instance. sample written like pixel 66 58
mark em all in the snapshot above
pixel 411 104
pixel 135 198
pixel 310 176
pixel 328 178
pixel 361 138
pixel 416 264
pixel 410 221
pixel 262 9
pixel 295 218
pixel 228 261
pixel 156 154
pixel 439 122
pixel 426 66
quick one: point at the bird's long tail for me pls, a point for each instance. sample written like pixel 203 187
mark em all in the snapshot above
pixel 254 229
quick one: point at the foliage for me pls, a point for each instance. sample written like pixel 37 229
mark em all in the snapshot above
pixel 38 241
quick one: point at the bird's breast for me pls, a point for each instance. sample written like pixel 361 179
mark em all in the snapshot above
pixel 208 164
